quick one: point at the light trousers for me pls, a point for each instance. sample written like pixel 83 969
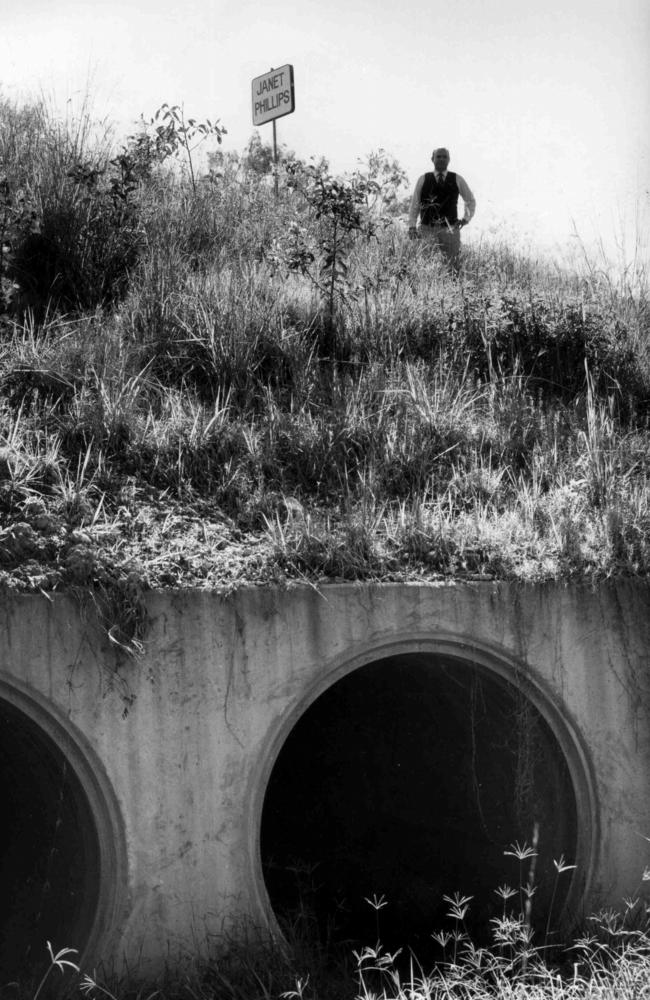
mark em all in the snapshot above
pixel 446 240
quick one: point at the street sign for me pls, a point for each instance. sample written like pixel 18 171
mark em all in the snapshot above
pixel 273 95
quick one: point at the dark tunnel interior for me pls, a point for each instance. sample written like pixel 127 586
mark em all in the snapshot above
pixel 408 779
pixel 49 851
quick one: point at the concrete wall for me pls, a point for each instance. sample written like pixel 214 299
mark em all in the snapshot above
pixel 177 780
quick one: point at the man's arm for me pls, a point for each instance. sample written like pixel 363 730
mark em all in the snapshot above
pixel 414 209
pixel 467 196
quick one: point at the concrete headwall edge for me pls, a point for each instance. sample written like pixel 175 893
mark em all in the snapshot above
pixel 575 650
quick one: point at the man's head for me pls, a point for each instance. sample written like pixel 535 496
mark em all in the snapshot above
pixel 440 157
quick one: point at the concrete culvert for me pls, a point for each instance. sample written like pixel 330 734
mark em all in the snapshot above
pixel 49 852
pixel 408 779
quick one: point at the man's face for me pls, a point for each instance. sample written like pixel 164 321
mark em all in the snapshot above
pixel 440 161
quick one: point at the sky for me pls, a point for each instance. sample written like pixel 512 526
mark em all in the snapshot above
pixel 544 106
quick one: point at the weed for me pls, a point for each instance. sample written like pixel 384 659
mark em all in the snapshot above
pixel 174 132
pixel 337 207
pixel 608 958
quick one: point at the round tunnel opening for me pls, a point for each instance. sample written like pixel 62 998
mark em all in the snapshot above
pixel 407 781
pixel 49 850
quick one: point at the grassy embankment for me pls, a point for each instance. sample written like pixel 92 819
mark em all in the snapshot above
pixel 201 387
pixel 195 393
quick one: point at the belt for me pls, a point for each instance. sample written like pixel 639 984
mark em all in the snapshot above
pixel 437 225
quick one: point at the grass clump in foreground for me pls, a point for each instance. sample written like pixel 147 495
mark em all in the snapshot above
pixel 610 960
pixel 204 387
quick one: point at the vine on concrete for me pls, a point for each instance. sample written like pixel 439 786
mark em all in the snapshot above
pixel 527 755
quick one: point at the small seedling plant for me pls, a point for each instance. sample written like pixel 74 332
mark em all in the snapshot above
pixel 339 208
pixel 176 135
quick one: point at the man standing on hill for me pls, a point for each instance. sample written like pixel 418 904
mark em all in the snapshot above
pixel 435 200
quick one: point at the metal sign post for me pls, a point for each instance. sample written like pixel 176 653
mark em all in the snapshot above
pixel 275 159
pixel 273 97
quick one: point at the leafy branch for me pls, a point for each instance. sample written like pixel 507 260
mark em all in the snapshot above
pixel 174 133
pixel 339 205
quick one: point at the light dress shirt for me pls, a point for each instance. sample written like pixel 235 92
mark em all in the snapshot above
pixel 463 190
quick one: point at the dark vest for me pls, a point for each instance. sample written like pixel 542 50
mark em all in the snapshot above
pixel 439 202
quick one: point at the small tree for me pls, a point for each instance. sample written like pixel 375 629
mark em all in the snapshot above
pixel 339 206
pixel 173 134
pixel 388 179
pixel 257 157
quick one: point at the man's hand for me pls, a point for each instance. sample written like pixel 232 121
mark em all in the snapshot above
pixel 413 233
